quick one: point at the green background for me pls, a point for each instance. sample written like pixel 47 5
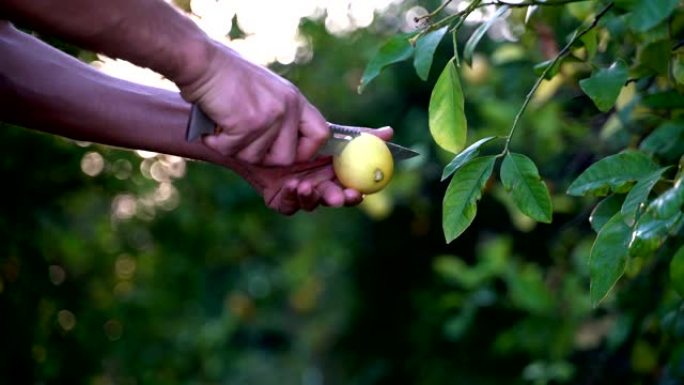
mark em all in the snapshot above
pixel 211 287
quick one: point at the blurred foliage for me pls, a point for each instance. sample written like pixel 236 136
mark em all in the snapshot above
pixel 122 269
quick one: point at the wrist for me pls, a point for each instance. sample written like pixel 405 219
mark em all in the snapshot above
pixel 196 55
pixel 247 172
pixel 197 69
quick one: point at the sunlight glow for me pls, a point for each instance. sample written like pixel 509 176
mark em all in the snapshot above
pixel 271 28
pixel 145 154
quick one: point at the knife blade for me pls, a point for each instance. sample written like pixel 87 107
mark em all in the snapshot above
pixel 200 124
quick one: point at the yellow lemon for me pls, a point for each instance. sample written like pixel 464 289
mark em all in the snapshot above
pixel 365 164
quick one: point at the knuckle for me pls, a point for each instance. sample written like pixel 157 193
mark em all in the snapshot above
pixel 248 158
pixel 322 135
pixel 253 119
pixel 291 94
pixel 279 109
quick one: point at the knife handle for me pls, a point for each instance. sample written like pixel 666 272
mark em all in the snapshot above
pixel 199 124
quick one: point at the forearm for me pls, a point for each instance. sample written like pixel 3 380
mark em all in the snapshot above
pixel 149 33
pixel 45 89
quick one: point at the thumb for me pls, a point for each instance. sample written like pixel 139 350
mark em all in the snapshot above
pixel 385 133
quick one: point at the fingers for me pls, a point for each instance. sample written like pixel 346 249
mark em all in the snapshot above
pixel 310 191
pixel 352 197
pixel 230 142
pixel 331 194
pixel 308 196
pixel 313 130
pixel 256 151
pixel 385 133
pixel 283 149
pixel 286 201
pixel 222 143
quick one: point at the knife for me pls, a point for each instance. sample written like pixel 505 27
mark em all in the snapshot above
pixel 200 124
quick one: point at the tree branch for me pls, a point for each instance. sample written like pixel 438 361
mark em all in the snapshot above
pixel 433 13
pixel 531 2
pixel 577 36
pixel 462 15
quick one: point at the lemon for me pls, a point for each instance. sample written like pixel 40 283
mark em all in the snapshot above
pixel 365 164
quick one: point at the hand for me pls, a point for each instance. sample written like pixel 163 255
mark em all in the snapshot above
pixel 264 119
pixel 303 186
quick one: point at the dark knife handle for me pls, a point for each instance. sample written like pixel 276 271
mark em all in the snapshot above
pixel 199 124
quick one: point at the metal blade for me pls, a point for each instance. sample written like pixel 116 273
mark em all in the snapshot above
pixel 400 152
pixel 342 134
pixel 335 145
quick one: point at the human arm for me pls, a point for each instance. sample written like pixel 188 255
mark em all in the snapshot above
pixel 264 118
pixel 47 90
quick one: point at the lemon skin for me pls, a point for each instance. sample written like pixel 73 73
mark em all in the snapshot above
pixel 365 164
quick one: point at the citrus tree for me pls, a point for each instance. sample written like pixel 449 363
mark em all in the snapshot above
pixel 603 113
pixel 626 57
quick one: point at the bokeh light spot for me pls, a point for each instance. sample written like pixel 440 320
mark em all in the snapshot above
pixel 66 319
pixel 113 329
pixel 124 267
pixel 57 274
pixel 92 163
pixel 124 206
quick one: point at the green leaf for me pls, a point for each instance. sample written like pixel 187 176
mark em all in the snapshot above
pixel 448 124
pixel 608 257
pixel 464 156
pixel 678 69
pixel 666 100
pixel 625 4
pixel 396 49
pixel 529 290
pixel 613 173
pixel 669 203
pixel 465 189
pixel 638 195
pixel 661 218
pixel 605 210
pixel 479 34
pixel 520 177
pixel 677 271
pixel 654 58
pixel 650 232
pixel 667 140
pixel 646 14
pixel 590 41
pixel 425 51
pixel 604 85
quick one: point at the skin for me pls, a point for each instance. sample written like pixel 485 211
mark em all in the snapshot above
pixel 81 103
pixel 265 120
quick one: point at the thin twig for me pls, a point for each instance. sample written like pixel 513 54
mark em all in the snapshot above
pixel 678 45
pixel 462 15
pixel 433 13
pixel 531 2
pixel 561 54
